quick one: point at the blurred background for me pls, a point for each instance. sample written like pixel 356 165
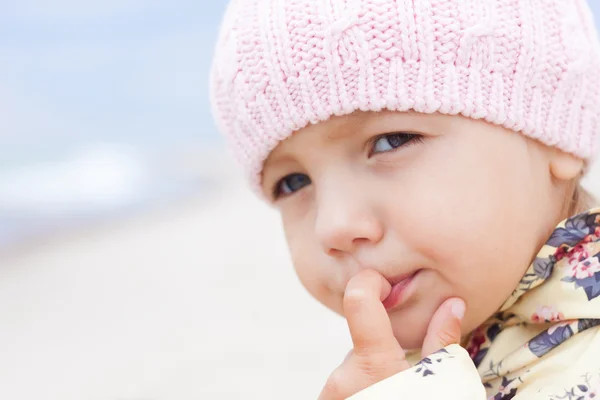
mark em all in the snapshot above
pixel 134 264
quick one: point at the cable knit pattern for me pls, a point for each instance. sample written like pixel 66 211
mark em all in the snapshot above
pixel 532 66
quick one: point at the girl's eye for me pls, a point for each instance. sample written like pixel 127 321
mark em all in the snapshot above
pixel 385 143
pixel 290 184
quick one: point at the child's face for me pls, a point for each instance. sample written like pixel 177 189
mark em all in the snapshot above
pixel 463 204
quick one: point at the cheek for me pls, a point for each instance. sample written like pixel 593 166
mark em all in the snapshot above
pixel 311 264
pixel 465 214
pixel 468 201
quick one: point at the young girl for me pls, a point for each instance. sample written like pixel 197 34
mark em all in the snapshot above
pixel 422 155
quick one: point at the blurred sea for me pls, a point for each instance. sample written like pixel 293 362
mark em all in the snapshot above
pixel 96 183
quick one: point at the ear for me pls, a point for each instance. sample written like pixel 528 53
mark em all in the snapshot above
pixel 564 166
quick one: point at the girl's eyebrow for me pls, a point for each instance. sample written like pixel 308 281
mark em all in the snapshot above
pixel 347 126
pixel 381 122
pixel 284 157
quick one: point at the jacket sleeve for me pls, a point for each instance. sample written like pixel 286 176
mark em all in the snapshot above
pixel 448 374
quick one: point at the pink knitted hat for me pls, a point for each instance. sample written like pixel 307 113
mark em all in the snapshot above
pixel 530 66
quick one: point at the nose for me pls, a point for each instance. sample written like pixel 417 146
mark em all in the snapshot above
pixel 345 220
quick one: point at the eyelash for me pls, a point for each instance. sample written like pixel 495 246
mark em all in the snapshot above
pixel 407 139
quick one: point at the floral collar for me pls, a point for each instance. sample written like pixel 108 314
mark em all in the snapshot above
pixel 558 297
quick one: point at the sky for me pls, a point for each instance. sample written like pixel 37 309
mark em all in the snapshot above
pixel 114 71
pixel 117 71
pixel 93 95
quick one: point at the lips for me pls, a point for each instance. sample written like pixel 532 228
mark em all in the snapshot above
pixel 400 286
pixel 398 279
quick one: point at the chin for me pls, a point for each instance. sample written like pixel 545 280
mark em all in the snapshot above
pixel 410 336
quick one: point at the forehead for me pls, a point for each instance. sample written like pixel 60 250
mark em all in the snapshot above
pixel 334 128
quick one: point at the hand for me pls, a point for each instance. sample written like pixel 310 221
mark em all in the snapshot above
pixel 376 354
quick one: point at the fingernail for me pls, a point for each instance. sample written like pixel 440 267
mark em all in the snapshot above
pixel 458 309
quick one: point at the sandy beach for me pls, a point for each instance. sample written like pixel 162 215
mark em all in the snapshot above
pixel 194 301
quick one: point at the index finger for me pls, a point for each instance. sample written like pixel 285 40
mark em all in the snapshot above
pixel 367 318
